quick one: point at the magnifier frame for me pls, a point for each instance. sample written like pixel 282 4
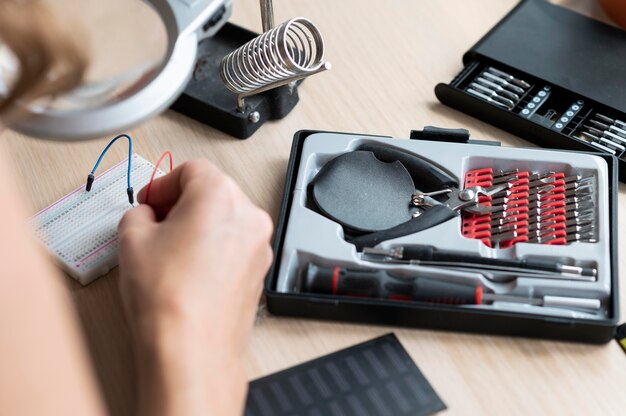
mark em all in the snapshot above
pixel 183 21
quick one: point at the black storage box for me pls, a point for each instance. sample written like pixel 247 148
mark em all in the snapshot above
pixel 435 316
pixel 581 63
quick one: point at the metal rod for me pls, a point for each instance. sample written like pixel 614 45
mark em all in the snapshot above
pixel 267 14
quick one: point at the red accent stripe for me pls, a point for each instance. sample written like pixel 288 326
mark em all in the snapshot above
pixel 400 297
pixel 479 295
pixel 335 281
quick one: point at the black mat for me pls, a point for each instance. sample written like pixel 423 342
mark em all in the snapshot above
pixel 374 378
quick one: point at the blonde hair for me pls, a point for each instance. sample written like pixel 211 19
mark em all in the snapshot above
pixel 50 60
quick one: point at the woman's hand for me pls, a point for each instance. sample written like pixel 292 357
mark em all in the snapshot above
pixel 192 263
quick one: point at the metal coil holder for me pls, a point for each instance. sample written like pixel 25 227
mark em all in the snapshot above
pixel 291 51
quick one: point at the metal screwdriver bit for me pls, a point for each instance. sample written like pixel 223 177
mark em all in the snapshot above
pixel 504 83
pixel 519 82
pixel 493 94
pixel 486 98
pixel 496 87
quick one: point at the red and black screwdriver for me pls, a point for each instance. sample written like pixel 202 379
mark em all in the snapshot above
pixel 380 284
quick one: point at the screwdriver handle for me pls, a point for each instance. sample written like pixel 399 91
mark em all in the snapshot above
pixel 379 284
pixel 437 291
pixel 429 253
pixel 341 281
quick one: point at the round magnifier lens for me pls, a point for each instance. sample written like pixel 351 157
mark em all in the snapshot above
pixel 8 70
pixel 133 61
pixel 124 42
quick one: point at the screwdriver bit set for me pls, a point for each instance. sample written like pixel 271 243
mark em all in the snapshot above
pixel 537 208
pixel 521 78
pixel 444 232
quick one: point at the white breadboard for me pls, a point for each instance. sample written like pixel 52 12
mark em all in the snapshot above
pixel 80 229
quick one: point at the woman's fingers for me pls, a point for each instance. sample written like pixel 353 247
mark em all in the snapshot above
pixel 140 216
pixel 166 190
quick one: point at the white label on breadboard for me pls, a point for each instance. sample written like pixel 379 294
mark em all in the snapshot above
pixel 80 229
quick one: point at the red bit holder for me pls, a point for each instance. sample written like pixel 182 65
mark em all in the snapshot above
pixel 533 209
pixel 477 226
pixel 517 200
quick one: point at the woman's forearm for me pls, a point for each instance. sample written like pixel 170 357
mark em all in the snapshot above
pixel 191 274
pixel 45 367
pixel 180 373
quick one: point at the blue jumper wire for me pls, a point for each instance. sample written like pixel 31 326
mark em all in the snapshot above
pixel 91 176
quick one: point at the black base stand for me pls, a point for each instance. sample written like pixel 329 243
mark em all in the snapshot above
pixel 207 99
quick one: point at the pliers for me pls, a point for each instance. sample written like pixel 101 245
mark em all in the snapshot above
pixel 432 184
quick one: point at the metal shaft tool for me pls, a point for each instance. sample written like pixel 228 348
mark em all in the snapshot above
pixel 504 83
pixel 493 94
pixel 495 87
pixel 428 255
pixel 498 88
pixel 487 98
pixel 620 132
pixel 605 134
pixel 519 82
pixel 267 14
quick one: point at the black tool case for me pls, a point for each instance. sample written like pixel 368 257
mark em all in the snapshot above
pixel 581 62
pixel 421 314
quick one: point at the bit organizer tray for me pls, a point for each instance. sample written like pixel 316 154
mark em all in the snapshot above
pixel 549 75
pixel 437 277
pixel 537 207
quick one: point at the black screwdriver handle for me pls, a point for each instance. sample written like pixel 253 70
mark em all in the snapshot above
pixel 426 176
pixel 429 218
pixel 437 291
pixel 341 281
pixel 379 284
pixel 429 253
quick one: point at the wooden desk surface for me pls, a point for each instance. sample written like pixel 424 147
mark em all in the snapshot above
pixel 387 57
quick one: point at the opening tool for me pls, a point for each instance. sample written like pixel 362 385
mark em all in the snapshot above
pixel 430 256
pixel 380 284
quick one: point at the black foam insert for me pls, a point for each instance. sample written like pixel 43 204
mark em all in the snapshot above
pixel 362 193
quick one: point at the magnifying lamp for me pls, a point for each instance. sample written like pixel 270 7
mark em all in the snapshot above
pixel 102 108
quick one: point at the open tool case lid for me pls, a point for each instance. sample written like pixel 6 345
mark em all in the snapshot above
pixel 436 316
pixel 545 44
